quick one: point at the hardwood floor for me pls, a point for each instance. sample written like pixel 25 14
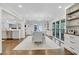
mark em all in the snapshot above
pixel 68 52
pixel 8 46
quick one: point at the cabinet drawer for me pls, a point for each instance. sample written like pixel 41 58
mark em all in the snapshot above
pixel 73 41
pixel 72 48
pixel 76 49
pixel 73 37
pixel 77 38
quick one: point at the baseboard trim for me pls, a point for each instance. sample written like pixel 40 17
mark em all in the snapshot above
pixel 11 38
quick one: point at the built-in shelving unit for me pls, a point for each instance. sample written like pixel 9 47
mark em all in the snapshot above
pixel 72 29
pixel 72 12
pixel 72 20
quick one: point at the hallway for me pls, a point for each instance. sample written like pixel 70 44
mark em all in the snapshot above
pixel 39 29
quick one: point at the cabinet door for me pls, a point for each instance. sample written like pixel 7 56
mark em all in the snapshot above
pixel 68 41
pixel 4 35
pixel 66 38
pixel 74 39
pixel 15 34
pixel 74 43
pixel 77 38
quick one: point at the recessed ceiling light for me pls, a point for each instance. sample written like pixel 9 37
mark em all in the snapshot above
pixel 59 6
pixel 20 6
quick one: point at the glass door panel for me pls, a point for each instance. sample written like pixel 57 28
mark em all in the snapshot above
pixel 53 29
pixel 57 29
pixel 62 29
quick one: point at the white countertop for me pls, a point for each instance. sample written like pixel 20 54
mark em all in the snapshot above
pixel 13 29
pixel 27 44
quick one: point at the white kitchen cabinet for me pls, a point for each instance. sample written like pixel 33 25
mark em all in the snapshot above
pixel 4 36
pixel 72 29
pixel 38 37
pixel 71 42
pixel 15 34
pixel 11 34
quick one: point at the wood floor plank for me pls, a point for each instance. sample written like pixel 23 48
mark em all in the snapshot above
pixel 8 46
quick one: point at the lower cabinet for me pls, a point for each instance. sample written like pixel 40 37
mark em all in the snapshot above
pixel 71 43
pixel 16 35
pixel 9 35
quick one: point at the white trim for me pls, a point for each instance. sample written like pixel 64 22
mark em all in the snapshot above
pixel 59 39
pixel 70 6
pixel 10 12
pixel 0 52
pixel 60 29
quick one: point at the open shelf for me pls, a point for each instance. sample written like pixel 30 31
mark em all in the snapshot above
pixel 72 34
pixel 75 18
pixel 72 12
pixel 73 26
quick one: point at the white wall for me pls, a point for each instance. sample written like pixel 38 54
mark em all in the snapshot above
pixel 6 19
pixel 30 26
pixel 22 31
pixel 0 33
pixel 49 32
pixel 29 29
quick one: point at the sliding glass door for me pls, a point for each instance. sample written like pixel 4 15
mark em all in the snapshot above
pixel 57 29
pixel 53 29
pixel 62 29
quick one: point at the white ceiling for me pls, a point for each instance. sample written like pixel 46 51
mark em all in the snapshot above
pixel 37 11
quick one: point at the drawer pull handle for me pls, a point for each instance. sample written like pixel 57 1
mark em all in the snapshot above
pixel 72 42
pixel 72 48
pixel 71 37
